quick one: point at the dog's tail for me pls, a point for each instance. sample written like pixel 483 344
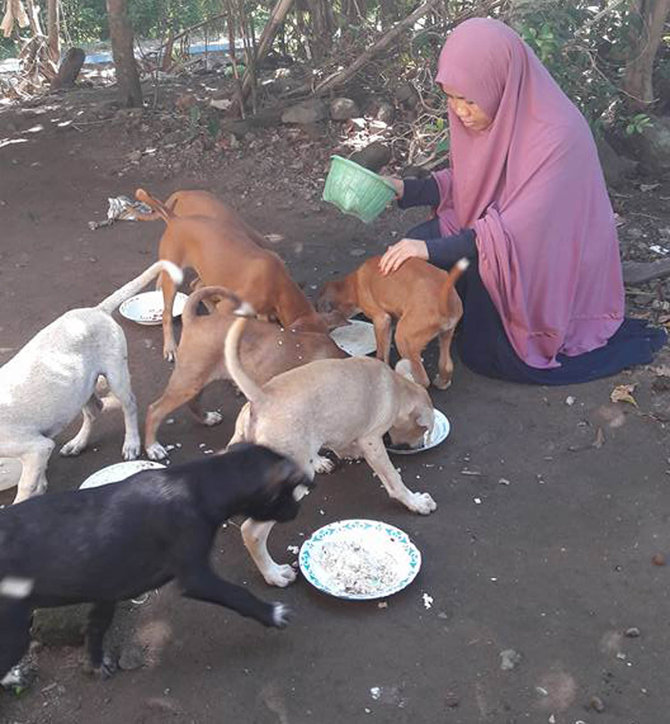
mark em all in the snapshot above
pixel 454 275
pixel 138 283
pixel 249 388
pixel 157 206
pixel 201 293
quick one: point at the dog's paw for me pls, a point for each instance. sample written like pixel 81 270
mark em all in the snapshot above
pixel 421 503
pixel 156 451
pixel 130 450
pixel 442 383
pixel 169 354
pixel 212 418
pixel 323 464
pixel 280 576
pixel 107 668
pixel 281 615
pixel 71 448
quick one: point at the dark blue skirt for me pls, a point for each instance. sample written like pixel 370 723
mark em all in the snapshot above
pixel 483 346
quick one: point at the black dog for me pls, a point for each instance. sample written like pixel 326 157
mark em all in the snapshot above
pixel 115 542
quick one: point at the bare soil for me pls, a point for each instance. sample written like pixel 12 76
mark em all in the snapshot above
pixel 549 512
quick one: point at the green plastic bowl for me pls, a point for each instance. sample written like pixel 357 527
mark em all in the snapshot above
pixel 356 190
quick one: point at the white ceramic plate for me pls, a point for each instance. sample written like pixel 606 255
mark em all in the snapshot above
pixel 147 307
pixel 117 472
pixel 343 558
pixel 437 435
pixel 356 338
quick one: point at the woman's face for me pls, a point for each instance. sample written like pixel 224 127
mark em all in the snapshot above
pixel 468 112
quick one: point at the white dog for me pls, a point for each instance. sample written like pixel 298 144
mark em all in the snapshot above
pixel 54 376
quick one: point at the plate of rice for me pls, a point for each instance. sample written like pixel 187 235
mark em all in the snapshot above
pixel 439 433
pixel 356 338
pixel 118 472
pixel 359 560
pixel 147 307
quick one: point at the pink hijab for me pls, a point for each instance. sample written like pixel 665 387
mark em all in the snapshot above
pixel 531 187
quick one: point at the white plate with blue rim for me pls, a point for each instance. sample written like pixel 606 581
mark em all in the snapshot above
pixel 356 338
pixel 118 472
pixel 147 307
pixel 439 433
pixel 359 560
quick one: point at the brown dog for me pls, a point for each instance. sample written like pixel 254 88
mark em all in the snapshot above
pixel 419 295
pixel 227 254
pixel 202 203
pixel 266 351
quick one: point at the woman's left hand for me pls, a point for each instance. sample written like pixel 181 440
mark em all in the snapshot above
pixel 396 255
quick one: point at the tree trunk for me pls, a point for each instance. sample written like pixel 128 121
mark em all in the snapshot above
pixel 34 19
pixel 321 16
pixel 121 34
pixel 637 80
pixel 53 30
pixel 276 19
pixel 341 77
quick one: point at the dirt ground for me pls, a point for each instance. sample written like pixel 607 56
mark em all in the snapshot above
pixel 550 509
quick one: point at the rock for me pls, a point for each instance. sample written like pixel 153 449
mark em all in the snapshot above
pixel 509 659
pixel 221 104
pixel 658 559
pixel 632 633
pixel 452 699
pixel 407 94
pixel 385 112
pixel 306 112
pixel 615 167
pixel 597 704
pixel 132 657
pixel 652 146
pixel 373 156
pixel 342 109
pixel 63 626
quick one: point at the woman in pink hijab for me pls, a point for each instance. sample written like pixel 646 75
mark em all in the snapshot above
pixel 526 201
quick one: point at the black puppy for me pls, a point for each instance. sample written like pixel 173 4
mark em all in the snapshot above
pixel 115 542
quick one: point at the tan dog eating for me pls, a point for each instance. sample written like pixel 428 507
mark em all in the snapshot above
pixel 266 351
pixel 228 255
pixel 419 295
pixel 344 405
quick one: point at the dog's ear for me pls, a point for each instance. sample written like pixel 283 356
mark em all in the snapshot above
pixel 334 319
pixel 404 369
pixel 426 418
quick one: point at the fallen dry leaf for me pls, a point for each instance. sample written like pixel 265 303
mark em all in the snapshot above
pixel 624 393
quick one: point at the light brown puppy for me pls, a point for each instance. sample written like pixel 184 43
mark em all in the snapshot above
pixel 344 405
pixel 419 295
pixel 226 254
pixel 266 351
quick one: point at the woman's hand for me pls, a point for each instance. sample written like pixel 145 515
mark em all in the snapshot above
pixel 399 253
pixel 397 183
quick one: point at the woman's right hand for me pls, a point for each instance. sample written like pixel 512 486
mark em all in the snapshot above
pixel 397 183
